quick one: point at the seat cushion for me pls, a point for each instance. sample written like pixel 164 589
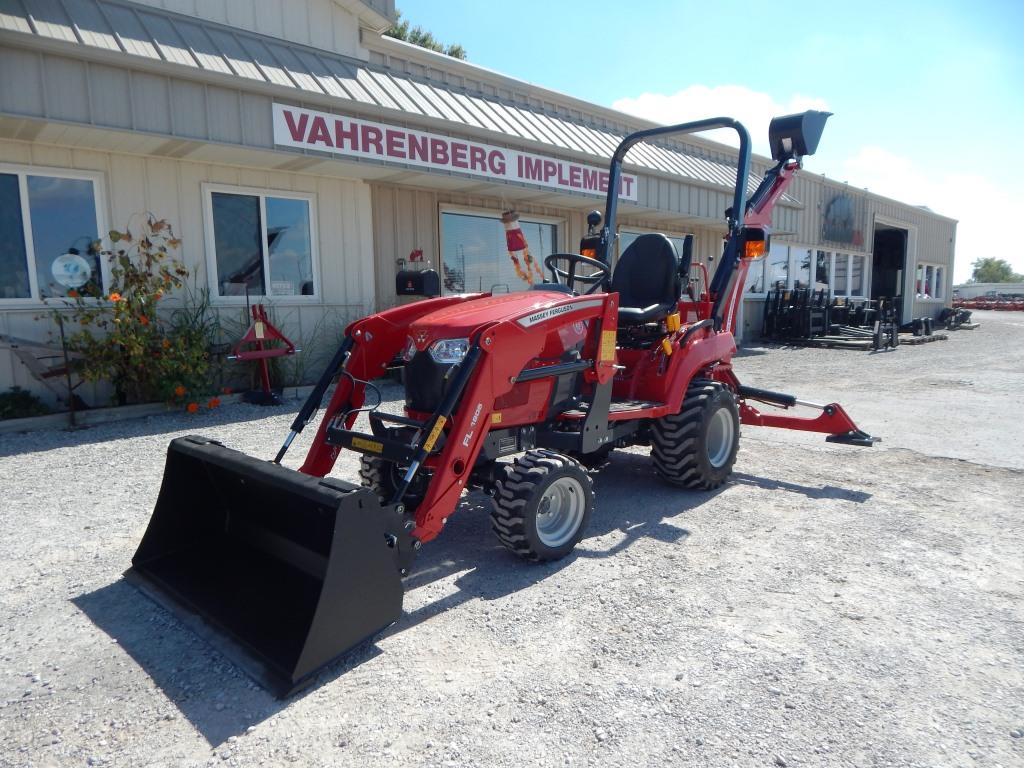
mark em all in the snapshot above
pixel 647 280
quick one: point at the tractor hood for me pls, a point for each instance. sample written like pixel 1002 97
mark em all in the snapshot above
pixel 459 321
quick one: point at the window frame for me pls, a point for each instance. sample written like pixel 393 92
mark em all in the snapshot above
pixel 262 193
pixel 831 254
pixel 98 180
pixel 935 282
pixel 488 213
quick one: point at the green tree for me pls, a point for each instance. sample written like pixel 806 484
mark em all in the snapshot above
pixel 993 270
pixel 421 37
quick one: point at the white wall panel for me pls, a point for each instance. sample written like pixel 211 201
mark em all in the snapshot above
pixel 172 189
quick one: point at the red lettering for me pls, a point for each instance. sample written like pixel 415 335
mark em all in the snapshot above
pixel 298 132
pixel 549 169
pixel 319 134
pixel 478 159
pixel 496 161
pixel 439 152
pixel 418 148
pixel 561 179
pixel 341 135
pixel 628 182
pixel 602 181
pixel 590 178
pixel 459 155
pixel 574 176
pixel 396 143
pixel 371 138
pixel 531 168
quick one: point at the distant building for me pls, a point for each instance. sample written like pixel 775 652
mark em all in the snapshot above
pixel 973 290
pixel 305 158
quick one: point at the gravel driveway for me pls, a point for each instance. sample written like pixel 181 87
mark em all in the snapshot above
pixel 829 606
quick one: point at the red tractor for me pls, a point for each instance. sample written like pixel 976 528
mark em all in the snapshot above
pixel 515 394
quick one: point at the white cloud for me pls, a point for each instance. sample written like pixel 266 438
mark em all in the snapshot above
pixel 752 108
pixel 971 198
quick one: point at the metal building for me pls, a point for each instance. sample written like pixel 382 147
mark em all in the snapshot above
pixel 305 158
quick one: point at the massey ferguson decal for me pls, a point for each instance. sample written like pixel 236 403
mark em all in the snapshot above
pixel 341 135
pixel 546 314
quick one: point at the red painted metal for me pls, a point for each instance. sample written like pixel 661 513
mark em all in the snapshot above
pixel 833 420
pixel 253 345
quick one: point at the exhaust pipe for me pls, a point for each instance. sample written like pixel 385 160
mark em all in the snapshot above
pixel 281 571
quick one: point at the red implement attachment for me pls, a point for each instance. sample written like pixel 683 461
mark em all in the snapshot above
pixel 262 341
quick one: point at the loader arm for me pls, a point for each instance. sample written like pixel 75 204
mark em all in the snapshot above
pixel 372 343
pixel 505 349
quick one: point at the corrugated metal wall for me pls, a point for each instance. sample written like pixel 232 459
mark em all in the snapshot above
pixel 405 219
pixel 172 189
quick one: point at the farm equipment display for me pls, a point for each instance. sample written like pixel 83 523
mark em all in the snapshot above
pixel 810 316
pixel 513 394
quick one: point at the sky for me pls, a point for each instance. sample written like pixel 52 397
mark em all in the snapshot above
pixel 928 97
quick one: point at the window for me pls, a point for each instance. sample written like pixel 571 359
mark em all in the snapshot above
pixel 857 277
pixel 803 259
pixel 776 266
pixel 930 281
pixel 49 225
pixel 755 277
pixel 822 268
pixel 841 285
pixel 261 244
pixel 474 253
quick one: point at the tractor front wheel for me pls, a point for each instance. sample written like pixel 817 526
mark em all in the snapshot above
pixel 385 477
pixel 696 448
pixel 542 504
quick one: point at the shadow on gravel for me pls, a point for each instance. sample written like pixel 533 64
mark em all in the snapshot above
pixel 811 492
pixel 220 701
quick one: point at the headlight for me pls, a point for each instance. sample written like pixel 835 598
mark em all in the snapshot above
pixel 410 349
pixel 449 350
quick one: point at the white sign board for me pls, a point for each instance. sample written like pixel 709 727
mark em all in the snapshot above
pixel 352 137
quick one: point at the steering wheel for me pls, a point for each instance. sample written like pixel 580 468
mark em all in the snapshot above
pixel 595 281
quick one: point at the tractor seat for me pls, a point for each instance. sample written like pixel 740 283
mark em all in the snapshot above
pixel 647 280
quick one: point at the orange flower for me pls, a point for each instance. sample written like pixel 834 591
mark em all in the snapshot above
pixel 192 407
pixel 114 296
pixel 179 391
pixel 214 403
pixel 143 319
pixel 167 343
pixel 73 294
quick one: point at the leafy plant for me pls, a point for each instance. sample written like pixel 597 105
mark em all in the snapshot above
pixel 123 338
pixel 18 403
pixel 421 37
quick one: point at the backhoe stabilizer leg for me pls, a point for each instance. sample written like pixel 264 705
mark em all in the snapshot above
pixel 832 421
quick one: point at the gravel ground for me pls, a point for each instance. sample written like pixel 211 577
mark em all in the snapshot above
pixel 829 606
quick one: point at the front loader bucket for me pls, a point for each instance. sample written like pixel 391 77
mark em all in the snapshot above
pixel 279 570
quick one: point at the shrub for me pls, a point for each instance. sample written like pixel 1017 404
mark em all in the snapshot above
pixel 121 337
pixel 18 403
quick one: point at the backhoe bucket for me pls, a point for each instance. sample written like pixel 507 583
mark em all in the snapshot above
pixel 279 570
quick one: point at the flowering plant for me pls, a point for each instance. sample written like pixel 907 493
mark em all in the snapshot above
pixel 121 336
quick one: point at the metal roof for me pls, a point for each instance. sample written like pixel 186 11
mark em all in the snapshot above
pixel 157 35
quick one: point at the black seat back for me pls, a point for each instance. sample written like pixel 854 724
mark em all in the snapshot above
pixel 647 273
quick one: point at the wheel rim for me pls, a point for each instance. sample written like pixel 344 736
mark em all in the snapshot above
pixel 721 432
pixel 560 511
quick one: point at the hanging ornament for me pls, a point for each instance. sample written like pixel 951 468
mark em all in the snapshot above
pixel 519 250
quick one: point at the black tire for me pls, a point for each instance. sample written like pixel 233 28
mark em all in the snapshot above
pixel 542 505
pixel 696 448
pixel 383 478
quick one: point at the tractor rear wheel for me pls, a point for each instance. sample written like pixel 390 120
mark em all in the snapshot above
pixel 542 504
pixel 696 448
